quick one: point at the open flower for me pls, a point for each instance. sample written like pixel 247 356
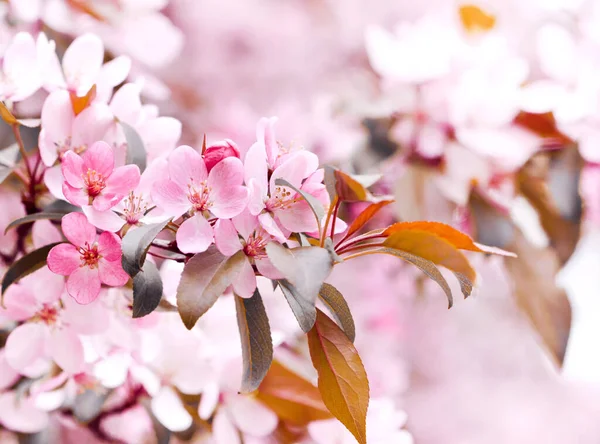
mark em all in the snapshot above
pixel 191 189
pixel 92 179
pixel 89 261
pixel 253 241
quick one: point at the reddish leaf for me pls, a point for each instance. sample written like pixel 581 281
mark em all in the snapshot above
pixel 81 103
pixel 291 397
pixel 437 250
pixel 448 233
pixel 343 380
pixel 349 189
pixel 337 305
pixel 255 334
pixel 365 216
pixel 205 277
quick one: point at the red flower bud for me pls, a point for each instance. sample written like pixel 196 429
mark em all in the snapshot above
pixel 218 151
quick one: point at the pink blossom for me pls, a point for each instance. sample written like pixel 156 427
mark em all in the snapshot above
pixel 88 260
pixel 82 67
pixel 22 73
pixel 215 152
pixel 64 131
pixel 252 242
pixel 191 189
pixel 92 179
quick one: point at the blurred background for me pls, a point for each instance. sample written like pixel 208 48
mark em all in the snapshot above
pixel 484 115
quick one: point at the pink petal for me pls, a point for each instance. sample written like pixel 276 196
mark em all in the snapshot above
pixel 53 179
pixel 170 198
pixel 57 120
pixel 111 273
pixel 91 125
pixel 112 74
pixel 298 218
pixel 82 62
pixel 20 303
pixel 126 104
pixel 255 166
pixel 186 166
pixel 90 319
pixel 245 283
pixel 46 286
pixel 265 133
pixel 270 226
pixel 64 259
pixel 25 345
pixel 256 197
pixel 44 232
pixel 8 375
pixel 294 170
pixel 245 223
pixel 251 416
pixel 194 235
pixel 66 350
pixel 223 430
pixel 100 158
pixel 229 202
pixel 266 268
pixel 131 425
pixel 160 135
pixel 76 196
pixel 73 169
pixel 21 415
pixel 105 220
pixel 123 180
pixel 84 285
pixel 209 400
pixel 169 410
pixel 20 67
pixel 157 168
pixel 226 237
pixel 109 246
pixel 78 230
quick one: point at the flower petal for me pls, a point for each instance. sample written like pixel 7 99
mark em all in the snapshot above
pixel 20 303
pixel 251 416
pixel 267 269
pixel 25 345
pixel 105 220
pixel 73 169
pixel 169 410
pixel 270 226
pixel 57 120
pixel 112 74
pixel 109 246
pixel 298 218
pixel 255 166
pixel 170 198
pixel 91 125
pixel 194 235
pixel 160 135
pixel 21 415
pixel 53 179
pixel 44 232
pixel 126 104
pixel 223 430
pixel 245 223
pixel 82 62
pixel 78 230
pixel 111 273
pixel 226 237
pixel 186 166
pixel 245 283
pixel 76 196
pixel 100 158
pixel 66 350
pixel 84 285
pixel 64 259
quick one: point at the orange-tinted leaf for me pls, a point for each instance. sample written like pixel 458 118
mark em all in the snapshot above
pixel 448 233
pixel 81 103
pixel 349 189
pixel 343 380
pixel 257 345
pixel 474 18
pixel 424 265
pixel 337 305
pixel 544 125
pixel 291 397
pixel 365 216
pixel 437 250
pixel 205 277
pixel 6 115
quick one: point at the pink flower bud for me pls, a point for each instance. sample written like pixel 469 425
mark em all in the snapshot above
pixel 218 151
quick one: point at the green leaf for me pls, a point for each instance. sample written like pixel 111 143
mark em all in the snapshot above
pixel 424 265
pixel 147 290
pixel 32 218
pixel 135 246
pixel 338 307
pixel 257 345
pixel 343 380
pixel 26 265
pixel 205 277
pixel 304 270
pixel 136 151
pixel 313 202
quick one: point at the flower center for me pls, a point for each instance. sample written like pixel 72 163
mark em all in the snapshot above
pixel 199 195
pixel 282 199
pixel 89 255
pixel 64 146
pixel 48 314
pixel 135 208
pixel 94 182
pixel 255 245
